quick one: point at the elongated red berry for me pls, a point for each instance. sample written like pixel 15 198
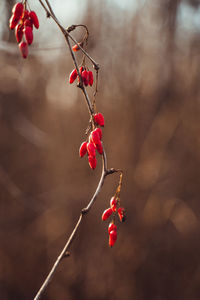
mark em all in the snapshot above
pixel 83 149
pixel 23 47
pixel 25 15
pixel 112 227
pixel 99 132
pixel 113 204
pixel 29 23
pixel 99 119
pixel 122 214
pixel 112 238
pixel 19 32
pixel 76 47
pixel 34 19
pixel 106 214
pixel 92 162
pixel 85 77
pixel 18 10
pixel 13 22
pixel 99 147
pixel 90 78
pixel 73 75
pixel 91 149
pixel 95 137
pixel 28 34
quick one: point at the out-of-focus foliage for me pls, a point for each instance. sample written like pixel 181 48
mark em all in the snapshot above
pixel 149 93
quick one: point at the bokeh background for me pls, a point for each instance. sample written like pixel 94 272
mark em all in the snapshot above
pixel 149 93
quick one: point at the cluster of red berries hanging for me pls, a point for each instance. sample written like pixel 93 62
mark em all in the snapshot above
pixel 87 76
pixel 114 209
pixel 94 142
pixel 23 20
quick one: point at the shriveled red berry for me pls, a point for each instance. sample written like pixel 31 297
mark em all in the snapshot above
pixel 28 34
pixel 18 10
pixel 95 137
pixel 106 214
pixel 99 147
pixel 92 162
pixel 83 149
pixel 23 47
pixel 91 149
pixel 85 77
pixel 99 119
pixel 34 19
pixel 112 237
pixel 73 75
pixel 112 227
pixel 122 214
pixel 90 78
pixel 13 22
pixel 113 204
pixel 19 32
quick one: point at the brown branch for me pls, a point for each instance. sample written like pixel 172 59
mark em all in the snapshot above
pixel 105 171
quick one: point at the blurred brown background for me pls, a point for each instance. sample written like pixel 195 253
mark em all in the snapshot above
pixel 149 92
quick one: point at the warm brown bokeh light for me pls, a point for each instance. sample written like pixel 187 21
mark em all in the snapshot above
pixel 149 94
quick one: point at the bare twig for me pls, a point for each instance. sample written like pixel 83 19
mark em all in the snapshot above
pixel 105 170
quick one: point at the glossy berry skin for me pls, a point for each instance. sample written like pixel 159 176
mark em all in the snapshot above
pixel 99 148
pixel 99 119
pixel 122 214
pixel 99 132
pixel 92 162
pixel 112 237
pixel 106 214
pixel 112 227
pixel 95 137
pixel 83 149
pixel 13 22
pixel 19 32
pixel 91 149
pixel 34 19
pixel 23 47
pixel 85 77
pixel 73 75
pixel 28 32
pixel 90 78
pixel 113 204
pixel 18 10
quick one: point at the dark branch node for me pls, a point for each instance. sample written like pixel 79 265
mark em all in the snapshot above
pixel 71 28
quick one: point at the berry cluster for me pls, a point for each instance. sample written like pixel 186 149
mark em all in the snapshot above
pixel 87 76
pixel 112 210
pixel 23 20
pixel 94 142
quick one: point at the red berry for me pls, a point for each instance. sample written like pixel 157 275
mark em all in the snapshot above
pixel 18 10
pixel 73 75
pixel 19 32
pixel 99 119
pixel 122 214
pixel 112 227
pixel 99 148
pixel 34 19
pixel 13 22
pixel 23 47
pixel 92 162
pixel 76 47
pixel 106 214
pixel 29 23
pixel 28 34
pixel 90 78
pixel 95 137
pixel 25 15
pixel 100 132
pixel 83 149
pixel 113 204
pixel 85 77
pixel 112 237
pixel 91 149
